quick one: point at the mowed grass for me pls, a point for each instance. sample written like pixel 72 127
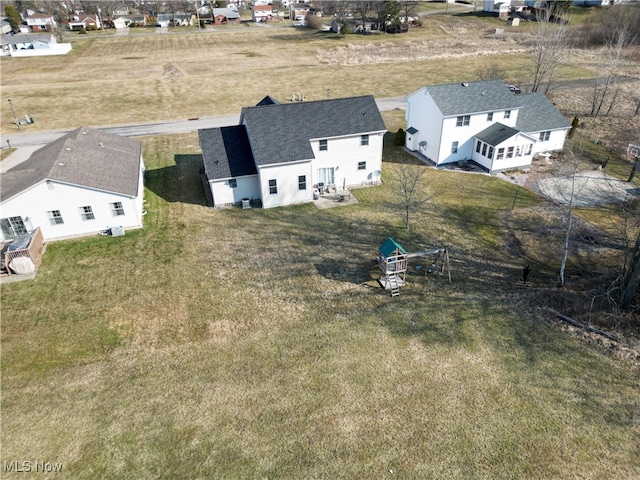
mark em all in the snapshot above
pixel 108 80
pixel 254 344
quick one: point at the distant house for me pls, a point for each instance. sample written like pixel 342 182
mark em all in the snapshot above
pixel 483 122
pixel 297 11
pixel 182 19
pixel 262 13
pixel 80 184
pixel 120 11
pixel 164 19
pixel 32 45
pixel 5 26
pixel 85 21
pixel 40 22
pixel 223 16
pixel 281 152
pixel 132 20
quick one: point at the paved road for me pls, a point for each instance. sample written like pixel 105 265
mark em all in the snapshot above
pixel 157 128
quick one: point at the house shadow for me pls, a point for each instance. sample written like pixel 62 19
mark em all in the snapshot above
pixel 180 182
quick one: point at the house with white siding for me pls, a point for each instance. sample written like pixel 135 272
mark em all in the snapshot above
pixel 32 45
pixel 482 122
pixel 281 152
pixel 80 184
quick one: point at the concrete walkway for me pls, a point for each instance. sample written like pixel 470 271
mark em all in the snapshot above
pixel 18 156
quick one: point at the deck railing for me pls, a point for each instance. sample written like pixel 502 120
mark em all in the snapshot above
pixel 33 251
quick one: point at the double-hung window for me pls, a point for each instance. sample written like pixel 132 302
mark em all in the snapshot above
pixel 489 116
pixel 323 146
pixel 86 213
pixel 362 165
pixel 364 140
pixel 544 136
pixel 233 183
pixel 273 187
pixel 463 120
pixel 302 182
pixel 507 114
pixel 454 147
pixel 55 217
pixel 117 210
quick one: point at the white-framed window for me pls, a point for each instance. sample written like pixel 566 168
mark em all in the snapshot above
pixel 463 120
pixel 302 182
pixel 544 136
pixel 510 152
pixel 529 148
pixel 86 213
pixel 55 217
pixel 507 114
pixel 362 165
pixel 454 147
pixel 233 183
pixel 484 150
pixel 489 116
pixel 117 210
pixel 478 146
pixel 364 140
pixel 500 154
pixel 12 227
pixel 273 187
pixel 324 145
pixel 490 155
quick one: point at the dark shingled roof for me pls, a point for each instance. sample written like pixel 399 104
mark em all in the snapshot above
pixel 84 157
pixel 268 100
pixel 226 152
pixel 539 114
pixel 496 134
pixel 281 133
pixel 475 97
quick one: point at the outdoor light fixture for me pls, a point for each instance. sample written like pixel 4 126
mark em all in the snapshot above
pixel 15 119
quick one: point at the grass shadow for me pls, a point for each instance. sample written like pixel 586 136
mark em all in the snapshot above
pixel 180 182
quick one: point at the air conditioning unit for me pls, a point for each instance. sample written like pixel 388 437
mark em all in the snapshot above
pixel 117 231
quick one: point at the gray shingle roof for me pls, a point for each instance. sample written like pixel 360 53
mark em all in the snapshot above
pixel 84 157
pixel 496 134
pixel 475 97
pixel 539 114
pixel 281 133
pixel 226 152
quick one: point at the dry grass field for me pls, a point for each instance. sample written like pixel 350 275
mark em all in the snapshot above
pixel 255 344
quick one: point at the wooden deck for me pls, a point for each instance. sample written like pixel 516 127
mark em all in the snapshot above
pixel 33 251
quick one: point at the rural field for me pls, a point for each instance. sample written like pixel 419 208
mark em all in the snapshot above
pixel 256 344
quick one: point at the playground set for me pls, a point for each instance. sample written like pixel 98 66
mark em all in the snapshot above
pixel 393 261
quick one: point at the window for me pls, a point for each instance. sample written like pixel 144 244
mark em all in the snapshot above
pixel 233 183
pixel 489 116
pixel 302 182
pixel 484 150
pixel 323 146
pixel 500 154
pixel 510 152
pixel 86 213
pixel 490 153
pixel 364 140
pixel 12 227
pixel 544 136
pixel 529 148
pixel 273 187
pixel 454 147
pixel 117 209
pixel 478 146
pixel 362 165
pixel 507 114
pixel 463 120
pixel 55 217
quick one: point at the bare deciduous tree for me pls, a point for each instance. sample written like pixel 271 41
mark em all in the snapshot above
pixel 550 48
pixel 406 182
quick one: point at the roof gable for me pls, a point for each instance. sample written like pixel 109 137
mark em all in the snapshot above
pixel 84 157
pixel 473 97
pixel 280 133
pixel 390 246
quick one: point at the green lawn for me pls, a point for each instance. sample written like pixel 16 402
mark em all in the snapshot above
pixel 254 344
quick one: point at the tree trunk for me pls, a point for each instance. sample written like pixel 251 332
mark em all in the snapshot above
pixel 631 278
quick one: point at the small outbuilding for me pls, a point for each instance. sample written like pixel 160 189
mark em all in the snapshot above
pixel 392 260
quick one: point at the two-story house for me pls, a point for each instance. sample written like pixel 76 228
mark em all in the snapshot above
pixel 280 152
pixel 483 122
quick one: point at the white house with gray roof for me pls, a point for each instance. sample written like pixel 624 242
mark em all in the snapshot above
pixel 280 152
pixel 80 184
pixel 483 122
